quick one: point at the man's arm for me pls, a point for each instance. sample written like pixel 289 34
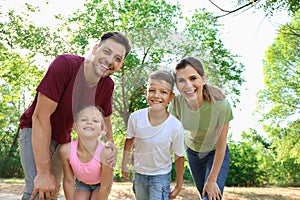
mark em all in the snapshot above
pixel 109 133
pixel 112 158
pixel 44 183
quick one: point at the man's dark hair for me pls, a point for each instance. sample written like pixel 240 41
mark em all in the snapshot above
pixel 118 37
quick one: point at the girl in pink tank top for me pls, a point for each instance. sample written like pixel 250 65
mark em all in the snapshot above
pixel 86 174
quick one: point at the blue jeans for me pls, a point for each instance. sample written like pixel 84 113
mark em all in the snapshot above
pixel 156 187
pixel 28 163
pixel 200 166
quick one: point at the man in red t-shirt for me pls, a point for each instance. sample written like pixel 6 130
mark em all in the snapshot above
pixel 71 82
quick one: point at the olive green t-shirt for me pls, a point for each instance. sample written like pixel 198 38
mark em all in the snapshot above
pixel 203 126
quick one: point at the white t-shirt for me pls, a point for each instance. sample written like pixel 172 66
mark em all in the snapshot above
pixel 153 144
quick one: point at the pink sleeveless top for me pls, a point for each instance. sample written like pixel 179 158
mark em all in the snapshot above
pixel 88 172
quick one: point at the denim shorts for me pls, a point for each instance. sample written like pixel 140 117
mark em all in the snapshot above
pixel 79 185
pixel 156 187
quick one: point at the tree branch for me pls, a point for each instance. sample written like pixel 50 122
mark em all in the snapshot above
pixel 232 11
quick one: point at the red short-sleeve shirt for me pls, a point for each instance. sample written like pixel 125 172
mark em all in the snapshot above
pixel 65 84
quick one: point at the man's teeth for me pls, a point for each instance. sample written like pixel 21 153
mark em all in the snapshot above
pixel 104 66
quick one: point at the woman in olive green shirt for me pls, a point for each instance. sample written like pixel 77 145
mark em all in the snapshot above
pixel 205 115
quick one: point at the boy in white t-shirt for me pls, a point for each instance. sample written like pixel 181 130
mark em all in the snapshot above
pixel 154 133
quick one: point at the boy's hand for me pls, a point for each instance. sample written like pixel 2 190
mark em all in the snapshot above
pixel 174 192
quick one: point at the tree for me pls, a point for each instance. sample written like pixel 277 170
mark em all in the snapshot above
pixel 269 6
pixel 279 102
pixel 18 31
pixel 247 161
pixel 158 39
pixel 157 42
pixel 18 77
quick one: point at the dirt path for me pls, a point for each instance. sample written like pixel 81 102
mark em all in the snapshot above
pixel 123 191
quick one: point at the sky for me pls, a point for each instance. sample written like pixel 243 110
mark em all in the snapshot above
pixel 246 34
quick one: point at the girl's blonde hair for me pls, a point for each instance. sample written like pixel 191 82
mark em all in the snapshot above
pixel 96 108
pixel 210 93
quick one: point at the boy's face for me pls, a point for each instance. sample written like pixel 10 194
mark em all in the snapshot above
pixel 109 57
pixel 159 94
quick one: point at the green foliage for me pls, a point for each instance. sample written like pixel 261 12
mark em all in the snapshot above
pixel 272 6
pixel 245 165
pixel 187 174
pixel 279 101
pixel 158 39
pixel 18 76
pixel 20 32
pixel 202 31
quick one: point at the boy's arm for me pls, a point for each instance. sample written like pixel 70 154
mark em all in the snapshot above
pixel 126 154
pixel 106 175
pixel 68 179
pixel 179 165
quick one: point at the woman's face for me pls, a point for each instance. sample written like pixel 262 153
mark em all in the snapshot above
pixel 190 83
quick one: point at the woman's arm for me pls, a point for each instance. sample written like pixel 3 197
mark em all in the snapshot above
pixel 68 179
pixel 211 187
pixel 106 175
pixel 179 165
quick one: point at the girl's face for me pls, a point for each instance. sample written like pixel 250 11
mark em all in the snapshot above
pixel 189 83
pixel 89 123
pixel 159 94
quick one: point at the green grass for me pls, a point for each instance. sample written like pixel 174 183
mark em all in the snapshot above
pixel 12 181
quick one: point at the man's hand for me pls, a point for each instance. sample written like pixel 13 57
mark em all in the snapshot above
pixel 112 158
pixel 45 186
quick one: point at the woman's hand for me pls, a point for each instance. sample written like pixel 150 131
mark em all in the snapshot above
pixel 212 189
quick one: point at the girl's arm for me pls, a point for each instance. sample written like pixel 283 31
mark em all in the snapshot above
pixel 179 165
pixel 106 175
pixel 126 153
pixel 211 187
pixel 68 179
